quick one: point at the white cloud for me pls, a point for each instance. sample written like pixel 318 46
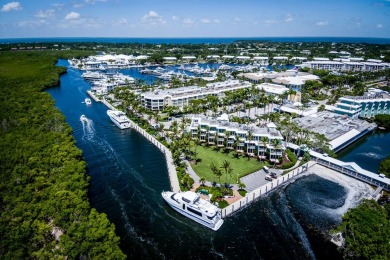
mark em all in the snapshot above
pixel 322 23
pixel 204 20
pixel 152 18
pixel 80 23
pixel 217 21
pixel 72 16
pixel 12 6
pixel 58 6
pixel 188 21
pixel 31 23
pixel 237 19
pixel 94 1
pixel 44 14
pixel 379 26
pixel 175 18
pixel 289 18
pixel 122 21
pixel 270 21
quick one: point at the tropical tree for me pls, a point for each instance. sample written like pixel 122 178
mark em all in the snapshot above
pixel 216 171
pixel 264 141
pixel 226 165
pixel 202 181
pixel 241 185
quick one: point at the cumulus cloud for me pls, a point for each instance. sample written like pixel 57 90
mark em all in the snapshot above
pixel 175 18
pixel 289 18
pixel 152 18
pixel 12 6
pixel 44 14
pixel 322 23
pixel 204 20
pixel 72 16
pixel 379 26
pixel 122 21
pixel 188 21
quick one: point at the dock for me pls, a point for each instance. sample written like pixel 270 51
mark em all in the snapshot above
pixel 174 181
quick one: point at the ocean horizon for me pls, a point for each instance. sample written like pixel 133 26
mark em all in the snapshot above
pixel 193 40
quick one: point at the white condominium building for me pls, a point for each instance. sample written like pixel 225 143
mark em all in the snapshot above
pixel 180 97
pixel 345 65
pixel 255 141
pixel 373 102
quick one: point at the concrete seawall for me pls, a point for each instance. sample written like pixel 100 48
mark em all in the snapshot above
pixel 263 190
pixel 168 155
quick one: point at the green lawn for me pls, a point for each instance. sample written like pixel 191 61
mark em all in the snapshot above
pixel 241 165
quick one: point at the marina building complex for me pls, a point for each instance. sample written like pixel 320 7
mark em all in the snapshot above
pixel 346 65
pixel 180 97
pixel 254 141
pixel 373 102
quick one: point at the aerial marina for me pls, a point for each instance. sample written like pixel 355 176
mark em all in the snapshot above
pixel 195 130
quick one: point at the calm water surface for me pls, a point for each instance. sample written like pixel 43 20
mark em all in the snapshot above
pixel 128 174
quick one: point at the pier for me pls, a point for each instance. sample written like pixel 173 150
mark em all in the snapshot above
pixel 174 181
pixel 351 169
pixel 264 190
pixel 168 156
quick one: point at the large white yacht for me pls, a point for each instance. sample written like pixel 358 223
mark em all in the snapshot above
pixel 119 118
pixel 191 205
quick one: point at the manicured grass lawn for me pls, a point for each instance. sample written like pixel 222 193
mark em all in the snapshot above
pixel 241 165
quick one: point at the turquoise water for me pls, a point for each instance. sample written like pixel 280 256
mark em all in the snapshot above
pixel 128 174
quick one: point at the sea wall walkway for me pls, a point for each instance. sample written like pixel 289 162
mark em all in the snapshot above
pixel 265 189
pixel 168 155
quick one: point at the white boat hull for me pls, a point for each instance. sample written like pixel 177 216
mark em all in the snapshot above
pixel 178 207
pixel 123 124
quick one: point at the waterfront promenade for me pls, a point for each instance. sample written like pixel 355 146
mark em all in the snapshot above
pixel 174 181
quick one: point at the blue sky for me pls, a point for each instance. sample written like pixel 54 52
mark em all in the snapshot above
pixel 194 18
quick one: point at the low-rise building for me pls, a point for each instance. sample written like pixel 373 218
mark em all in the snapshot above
pixel 340 130
pixel 373 102
pixel 254 141
pixel 181 97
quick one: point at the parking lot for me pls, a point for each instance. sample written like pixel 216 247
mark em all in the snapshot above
pixel 257 179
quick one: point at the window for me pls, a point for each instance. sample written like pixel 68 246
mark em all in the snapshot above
pixel 195 212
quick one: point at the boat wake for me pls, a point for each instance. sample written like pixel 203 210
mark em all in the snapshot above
pixel 372 155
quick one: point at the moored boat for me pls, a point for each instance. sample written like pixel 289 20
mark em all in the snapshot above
pixel 119 118
pixel 192 206
pixel 88 101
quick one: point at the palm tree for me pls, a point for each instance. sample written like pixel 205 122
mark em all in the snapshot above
pixel 276 144
pixel 264 141
pixel 241 185
pixel 197 143
pixel 226 165
pixel 202 181
pixel 216 171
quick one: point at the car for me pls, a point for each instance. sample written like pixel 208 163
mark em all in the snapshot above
pixel 381 175
pixel 266 169
pixel 268 177
pixel 273 175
